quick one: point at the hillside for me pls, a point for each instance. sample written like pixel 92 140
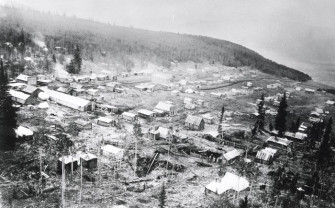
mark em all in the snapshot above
pixel 123 45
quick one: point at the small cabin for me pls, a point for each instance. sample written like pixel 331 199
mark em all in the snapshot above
pixel 130 117
pixel 146 113
pixel 107 122
pixel 69 162
pixel 88 160
pixel 83 124
pixel 194 123
pixel 266 156
pixel 279 143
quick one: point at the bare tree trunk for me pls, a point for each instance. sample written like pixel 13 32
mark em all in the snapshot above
pixel 63 182
pixel 40 157
pixel 135 162
pixel 81 182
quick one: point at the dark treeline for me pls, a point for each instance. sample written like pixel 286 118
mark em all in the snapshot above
pixel 124 44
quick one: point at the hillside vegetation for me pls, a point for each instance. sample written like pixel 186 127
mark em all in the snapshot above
pixel 123 45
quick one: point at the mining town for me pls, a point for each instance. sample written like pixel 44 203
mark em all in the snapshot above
pixel 85 126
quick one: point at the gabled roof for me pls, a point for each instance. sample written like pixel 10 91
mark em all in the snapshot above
pixel 22 77
pixel 105 119
pixel 132 115
pixel 164 106
pixel 279 140
pixel 29 89
pixel 194 120
pixel 66 99
pixel 146 112
pixel 233 154
pixel 63 89
pixel 266 154
pixel 19 95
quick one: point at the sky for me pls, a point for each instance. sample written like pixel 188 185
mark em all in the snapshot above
pixel 287 31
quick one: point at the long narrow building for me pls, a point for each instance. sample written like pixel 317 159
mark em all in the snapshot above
pixel 70 101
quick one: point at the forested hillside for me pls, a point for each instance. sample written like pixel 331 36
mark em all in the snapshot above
pixel 123 45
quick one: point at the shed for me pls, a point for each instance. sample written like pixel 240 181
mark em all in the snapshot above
pixel 63 89
pixel 29 80
pixel 231 155
pixel 309 91
pixel 130 117
pixel 208 118
pixel 279 143
pixel 188 100
pixel 104 121
pixel 112 85
pixel 112 151
pixel 68 160
pixel 31 90
pixel 194 123
pixel 265 156
pixel 83 124
pixel 93 92
pixel 190 106
pixel 167 108
pixel 88 160
pixel 146 113
pixel 108 108
pixel 216 94
pixel 21 98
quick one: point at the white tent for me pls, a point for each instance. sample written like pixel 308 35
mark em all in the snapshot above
pixel 228 182
pixel 110 150
pixel 43 96
pixel 23 131
pixel 43 105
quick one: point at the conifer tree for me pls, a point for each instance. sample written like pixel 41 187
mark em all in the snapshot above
pixel 221 119
pixel 270 126
pixel 7 114
pixel 325 151
pixel 261 114
pixel 280 122
pixel 77 59
pixel 162 197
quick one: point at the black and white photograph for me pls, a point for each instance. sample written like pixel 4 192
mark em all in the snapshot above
pixel 167 103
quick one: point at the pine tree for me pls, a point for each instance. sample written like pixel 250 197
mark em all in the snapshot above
pixel 280 122
pixel 162 197
pixel 7 114
pixel 325 151
pixel 244 202
pixel 261 114
pixel 54 58
pixel 71 67
pixel 297 124
pixel 221 119
pixel 77 59
pixel 270 126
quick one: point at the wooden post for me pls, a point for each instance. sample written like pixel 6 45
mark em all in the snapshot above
pixel 81 182
pixel 135 165
pixel 63 182
pixel 276 202
pixel 71 165
pixel 40 157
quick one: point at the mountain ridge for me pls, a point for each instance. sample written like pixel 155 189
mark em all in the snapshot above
pixel 124 44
